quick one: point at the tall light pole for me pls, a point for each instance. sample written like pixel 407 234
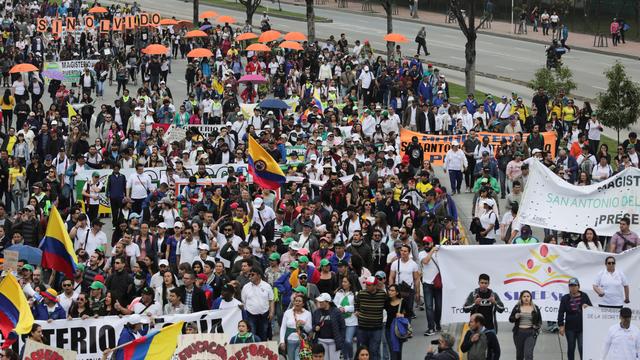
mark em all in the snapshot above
pixel 512 16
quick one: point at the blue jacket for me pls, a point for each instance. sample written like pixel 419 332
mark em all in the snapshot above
pixel 284 287
pixel 40 312
pixel 471 105
pixel 426 91
pixel 116 186
pixel 334 261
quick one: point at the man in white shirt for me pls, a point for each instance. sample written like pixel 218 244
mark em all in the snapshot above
pixel 259 312
pixel 138 187
pixel 455 162
pixel 432 295
pixel 96 237
pixel 187 248
pixel 503 110
pixel 364 80
pixel 623 339
pixel 314 170
pixel 262 214
pixel 406 271
pixel 467 119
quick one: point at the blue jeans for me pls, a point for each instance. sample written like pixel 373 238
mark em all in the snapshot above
pixel 349 333
pixel 100 88
pixel 259 324
pixel 293 349
pixel 432 305
pixel 371 339
pixel 455 178
pixel 573 337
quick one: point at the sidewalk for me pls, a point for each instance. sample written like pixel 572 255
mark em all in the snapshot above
pixel 498 28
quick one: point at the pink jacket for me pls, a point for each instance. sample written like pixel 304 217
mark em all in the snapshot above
pixel 615 27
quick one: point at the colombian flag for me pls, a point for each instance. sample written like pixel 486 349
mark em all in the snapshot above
pixel 71 111
pixel 158 344
pixel 56 246
pixel 265 171
pixel 15 314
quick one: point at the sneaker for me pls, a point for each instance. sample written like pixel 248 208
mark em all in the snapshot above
pixel 429 332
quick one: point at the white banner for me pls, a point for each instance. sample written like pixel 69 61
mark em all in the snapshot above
pixel 595 327
pixel 90 337
pixel 552 203
pixel 217 347
pixel 216 172
pixel 543 269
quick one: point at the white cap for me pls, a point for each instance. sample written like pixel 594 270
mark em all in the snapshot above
pixel 324 297
pixel 389 148
pixel 410 98
pixel 178 224
pixel 266 127
pixel 54 122
pixel 313 157
pixel 229 123
pixel 455 143
pixel 162 225
pixel 535 151
pixel 239 113
pixel 295 246
pixel 203 247
pixel 366 68
pixel 489 202
pixel 164 262
pixel 258 202
pixel 269 112
pixel 137 319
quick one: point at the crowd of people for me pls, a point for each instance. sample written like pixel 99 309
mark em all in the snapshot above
pixel 344 258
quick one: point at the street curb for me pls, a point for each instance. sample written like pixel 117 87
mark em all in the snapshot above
pixel 483 32
pixel 274 14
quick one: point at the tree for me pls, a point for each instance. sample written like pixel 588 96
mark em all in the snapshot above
pixel 196 6
pixel 387 5
pixel 619 106
pixel 311 21
pixel 250 8
pixel 553 80
pixel 470 30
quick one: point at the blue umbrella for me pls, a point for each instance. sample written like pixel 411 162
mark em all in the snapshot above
pixel 53 74
pixel 274 104
pixel 31 254
pixel 206 27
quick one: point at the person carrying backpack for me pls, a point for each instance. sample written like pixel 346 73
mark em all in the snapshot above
pixel 479 342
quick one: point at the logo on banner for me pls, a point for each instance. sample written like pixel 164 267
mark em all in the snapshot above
pixel 538 269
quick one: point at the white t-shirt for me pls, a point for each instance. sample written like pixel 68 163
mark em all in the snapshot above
pixel 430 270
pixel 187 250
pixel 622 343
pixel 487 219
pixel 613 286
pixel 405 273
pixel 139 185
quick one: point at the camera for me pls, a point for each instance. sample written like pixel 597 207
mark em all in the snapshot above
pixel 435 342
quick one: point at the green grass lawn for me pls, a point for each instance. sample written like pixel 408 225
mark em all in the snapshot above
pixel 272 10
pixel 457 94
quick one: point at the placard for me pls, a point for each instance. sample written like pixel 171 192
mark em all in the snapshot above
pixel 39 351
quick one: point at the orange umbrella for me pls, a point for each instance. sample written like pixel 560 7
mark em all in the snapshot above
pixel 290 45
pixel 246 36
pixel 226 19
pixel 20 68
pixel 185 23
pixel 200 53
pixel 208 14
pixel 195 33
pixel 269 36
pixel 98 10
pixel 258 47
pixel 155 49
pixel 169 22
pixel 396 38
pixel 295 36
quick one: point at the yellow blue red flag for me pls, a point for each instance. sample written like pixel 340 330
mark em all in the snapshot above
pixel 265 171
pixel 15 314
pixel 159 344
pixel 56 246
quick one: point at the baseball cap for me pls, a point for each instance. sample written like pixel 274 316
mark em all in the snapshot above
pixel 203 247
pixel 303 275
pixel 324 262
pixel 285 229
pixel 274 256
pixel 294 246
pixel 303 259
pixel 489 202
pixel 137 319
pixel 28 267
pixel 96 285
pixel 371 280
pixel 574 281
pixel 293 265
pixel 301 289
pixel 257 202
pixel 149 291
pixel 178 224
pixel 381 275
pixel 164 262
pixel 342 263
pixel 324 297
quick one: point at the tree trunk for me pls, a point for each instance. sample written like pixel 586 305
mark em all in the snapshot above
pixel 196 5
pixel 470 65
pixel 389 11
pixel 249 12
pixel 311 22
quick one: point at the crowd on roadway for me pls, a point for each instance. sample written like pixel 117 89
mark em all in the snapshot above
pixel 343 258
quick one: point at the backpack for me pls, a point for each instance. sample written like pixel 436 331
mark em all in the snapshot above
pixel 479 349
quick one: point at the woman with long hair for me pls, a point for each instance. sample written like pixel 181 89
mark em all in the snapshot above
pixel 244 335
pixel 527 320
pixel 7 104
pixel 256 240
pixel 80 308
pixel 395 308
pixel 345 301
pixel 162 292
pixel 328 282
pixel 296 322
pixel 17 183
pixel 590 241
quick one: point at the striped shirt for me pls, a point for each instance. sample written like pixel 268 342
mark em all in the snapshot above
pixel 369 307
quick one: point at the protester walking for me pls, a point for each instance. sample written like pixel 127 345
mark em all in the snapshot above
pixel 527 321
pixel 623 339
pixel 570 317
pixel 421 39
pixel 480 343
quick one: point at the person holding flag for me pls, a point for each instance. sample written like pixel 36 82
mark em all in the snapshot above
pixel 57 248
pixel 265 171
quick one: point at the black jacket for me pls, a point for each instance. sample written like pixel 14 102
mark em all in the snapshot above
pixel 198 300
pixel 493 346
pixel 571 319
pixel 536 317
pixel 447 354
pixel 337 324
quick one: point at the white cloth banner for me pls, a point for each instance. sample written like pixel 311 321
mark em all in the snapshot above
pixel 90 337
pixel 595 327
pixel 543 269
pixel 550 202
pixel 217 172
